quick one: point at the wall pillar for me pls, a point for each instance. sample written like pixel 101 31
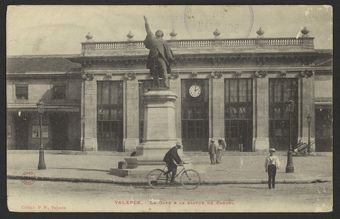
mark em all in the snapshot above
pixel 307 108
pixel 261 117
pixel 217 108
pixel 131 119
pixel 175 87
pixel 90 115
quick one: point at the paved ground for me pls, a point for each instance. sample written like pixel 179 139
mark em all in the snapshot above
pixel 236 167
pixel 88 197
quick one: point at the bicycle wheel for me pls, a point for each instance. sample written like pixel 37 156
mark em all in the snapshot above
pixel 190 179
pixel 157 178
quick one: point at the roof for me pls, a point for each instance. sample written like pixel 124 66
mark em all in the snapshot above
pixel 26 64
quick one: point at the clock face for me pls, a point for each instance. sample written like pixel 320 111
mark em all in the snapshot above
pixel 195 90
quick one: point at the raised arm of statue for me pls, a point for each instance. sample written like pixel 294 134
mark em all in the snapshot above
pixel 147 27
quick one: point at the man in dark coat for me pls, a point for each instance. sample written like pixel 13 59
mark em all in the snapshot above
pixel 212 151
pixel 160 56
pixel 171 159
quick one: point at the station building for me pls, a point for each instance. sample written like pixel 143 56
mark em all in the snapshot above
pixel 255 93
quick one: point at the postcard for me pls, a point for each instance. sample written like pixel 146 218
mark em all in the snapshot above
pixel 169 108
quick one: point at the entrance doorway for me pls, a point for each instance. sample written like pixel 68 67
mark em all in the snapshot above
pixel 59 129
pixel 238 114
pixel 281 90
pixel 323 128
pixel 21 124
pixel 110 115
pixel 195 114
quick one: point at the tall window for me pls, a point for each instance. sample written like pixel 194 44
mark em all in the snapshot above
pixel 110 115
pixel 21 91
pixel 238 114
pixel 281 90
pixel 59 92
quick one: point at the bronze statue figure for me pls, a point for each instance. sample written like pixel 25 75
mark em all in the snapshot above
pixel 160 57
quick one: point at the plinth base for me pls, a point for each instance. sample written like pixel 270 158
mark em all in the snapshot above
pixel 159 132
pixel 159 126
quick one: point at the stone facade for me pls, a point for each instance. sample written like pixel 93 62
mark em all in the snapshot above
pixel 216 61
pixel 61 117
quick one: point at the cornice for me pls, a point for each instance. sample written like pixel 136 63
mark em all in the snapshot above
pixel 262 57
pixel 45 75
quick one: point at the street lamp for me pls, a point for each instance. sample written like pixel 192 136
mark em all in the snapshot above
pixel 290 166
pixel 41 165
pixel 309 118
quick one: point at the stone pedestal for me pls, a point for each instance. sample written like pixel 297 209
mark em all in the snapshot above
pixel 159 134
pixel 159 126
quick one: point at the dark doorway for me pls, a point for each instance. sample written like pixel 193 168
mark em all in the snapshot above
pixel 238 114
pixel 110 115
pixel 323 128
pixel 195 114
pixel 281 90
pixel 59 129
pixel 21 130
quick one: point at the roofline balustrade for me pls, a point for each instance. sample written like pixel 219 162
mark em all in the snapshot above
pixel 216 45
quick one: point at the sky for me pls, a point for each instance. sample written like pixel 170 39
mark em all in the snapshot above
pixel 42 30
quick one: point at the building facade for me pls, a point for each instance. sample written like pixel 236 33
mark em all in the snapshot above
pixel 255 93
pixel 50 79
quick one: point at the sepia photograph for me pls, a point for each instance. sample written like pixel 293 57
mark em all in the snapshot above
pixel 169 108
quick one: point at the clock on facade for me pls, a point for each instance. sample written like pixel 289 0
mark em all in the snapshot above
pixel 195 90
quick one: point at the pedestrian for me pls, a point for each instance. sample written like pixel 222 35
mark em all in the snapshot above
pixel 212 151
pixel 272 163
pixel 220 148
pixel 172 159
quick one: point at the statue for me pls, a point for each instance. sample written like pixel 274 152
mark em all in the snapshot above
pixel 160 57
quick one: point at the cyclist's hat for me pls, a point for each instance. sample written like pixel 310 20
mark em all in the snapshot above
pixel 178 144
pixel 272 149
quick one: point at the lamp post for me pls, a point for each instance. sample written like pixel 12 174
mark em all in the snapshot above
pixel 41 165
pixel 290 166
pixel 309 118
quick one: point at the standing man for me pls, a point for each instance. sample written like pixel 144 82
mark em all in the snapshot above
pixel 160 56
pixel 272 163
pixel 172 159
pixel 212 151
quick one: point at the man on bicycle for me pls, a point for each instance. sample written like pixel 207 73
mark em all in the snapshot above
pixel 172 159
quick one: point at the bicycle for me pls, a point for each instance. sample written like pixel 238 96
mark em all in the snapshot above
pixel 189 178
